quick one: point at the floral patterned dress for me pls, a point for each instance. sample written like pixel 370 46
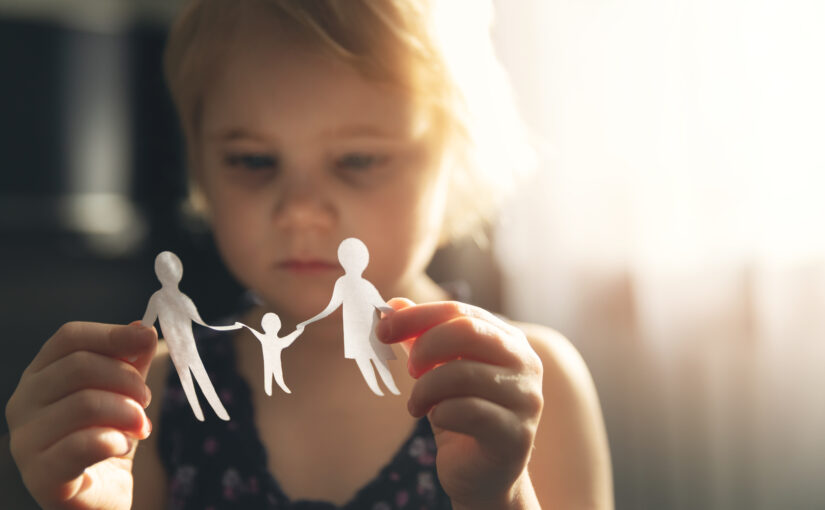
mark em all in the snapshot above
pixel 216 465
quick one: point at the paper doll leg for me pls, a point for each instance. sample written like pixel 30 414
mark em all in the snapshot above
pixel 267 379
pixel 189 389
pixel 273 369
pixel 369 375
pixel 208 390
pixel 278 372
pixel 386 376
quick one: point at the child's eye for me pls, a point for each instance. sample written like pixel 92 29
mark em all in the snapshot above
pixel 253 162
pixel 359 162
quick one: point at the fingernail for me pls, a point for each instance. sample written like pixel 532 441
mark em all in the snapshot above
pixel 147 396
pixel 141 426
pixel 146 429
pixel 144 333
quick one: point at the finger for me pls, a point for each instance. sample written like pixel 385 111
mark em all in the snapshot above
pixel 412 321
pixel 397 304
pixel 500 433
pixel 83 369
pixel 134 342
pixel 62 463
pixel 83 409
pixel 520 393
pixel 142 361
pixel 467 337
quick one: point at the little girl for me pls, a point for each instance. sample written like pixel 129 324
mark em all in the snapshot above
pixel 308 122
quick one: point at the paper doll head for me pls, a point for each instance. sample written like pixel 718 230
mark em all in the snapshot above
pixel 168 268
pixel 271 323
pixel 353 255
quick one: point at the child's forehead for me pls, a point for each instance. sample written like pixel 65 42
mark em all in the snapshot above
pixel 314 93
pixel 269 77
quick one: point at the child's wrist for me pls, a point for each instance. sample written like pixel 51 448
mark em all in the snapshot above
pixel 521 496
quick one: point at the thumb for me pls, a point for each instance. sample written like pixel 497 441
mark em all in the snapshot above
pixel 147 340
pixel 384 326
pixel 399 303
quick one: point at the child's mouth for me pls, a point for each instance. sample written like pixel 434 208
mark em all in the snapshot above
pixel 307 266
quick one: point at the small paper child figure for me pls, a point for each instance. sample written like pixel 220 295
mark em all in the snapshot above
pixel 272 346
pixel 176 312
pixel 360 300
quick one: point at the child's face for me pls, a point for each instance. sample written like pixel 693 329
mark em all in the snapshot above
pixel 297 152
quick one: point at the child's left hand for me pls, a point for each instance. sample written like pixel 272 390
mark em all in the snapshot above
pixel 480 384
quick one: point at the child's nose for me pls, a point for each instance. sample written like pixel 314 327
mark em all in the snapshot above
pixel 302 203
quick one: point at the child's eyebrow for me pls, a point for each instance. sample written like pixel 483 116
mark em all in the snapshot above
pixel 232 134
pixel 357 130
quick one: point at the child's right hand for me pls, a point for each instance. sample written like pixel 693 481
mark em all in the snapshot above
pixel 77 413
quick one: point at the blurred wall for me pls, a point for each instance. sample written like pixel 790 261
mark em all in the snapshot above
pixel 674 234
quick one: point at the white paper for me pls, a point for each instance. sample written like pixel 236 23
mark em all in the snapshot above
pixel 360 299
pixel 271 348
pixel 361 302
pixel 176 312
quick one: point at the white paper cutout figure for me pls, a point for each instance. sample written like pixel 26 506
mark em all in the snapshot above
pixel 176 312
pixel 271 348
pixel 360 300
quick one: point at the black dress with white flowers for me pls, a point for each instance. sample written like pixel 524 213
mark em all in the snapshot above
pixel 216 465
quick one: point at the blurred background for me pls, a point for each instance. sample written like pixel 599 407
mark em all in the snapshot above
pixel 673 231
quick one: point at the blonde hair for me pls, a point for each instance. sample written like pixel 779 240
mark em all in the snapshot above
pixel 438 50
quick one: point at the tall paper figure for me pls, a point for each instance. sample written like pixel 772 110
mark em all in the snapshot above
pixel 176 312
pixel 272 346
pixel 360 300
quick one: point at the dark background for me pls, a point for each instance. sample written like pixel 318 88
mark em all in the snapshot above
pixel 51 273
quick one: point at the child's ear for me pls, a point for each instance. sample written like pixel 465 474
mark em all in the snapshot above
pixel 197 200
pixel 197 205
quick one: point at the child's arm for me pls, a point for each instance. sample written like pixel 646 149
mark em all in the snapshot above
pixel 516 421
pixel 77 413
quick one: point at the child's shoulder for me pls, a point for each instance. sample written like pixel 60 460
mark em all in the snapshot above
pixel 566 380
pixel 572 427
pixel 560 358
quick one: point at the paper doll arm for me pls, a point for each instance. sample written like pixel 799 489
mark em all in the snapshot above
pixel 231 327
pixel 377 301
pixel 260 336
pixel 192 311
pixel 335 302
pixel 151 313
pixel 290 338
